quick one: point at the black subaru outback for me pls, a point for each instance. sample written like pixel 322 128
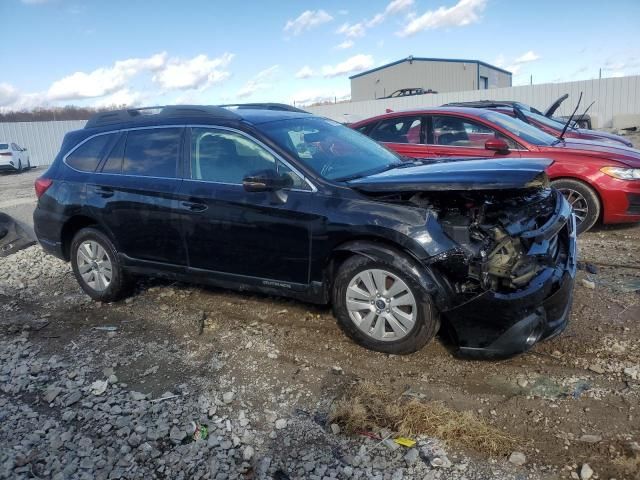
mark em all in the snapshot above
pixel 292 204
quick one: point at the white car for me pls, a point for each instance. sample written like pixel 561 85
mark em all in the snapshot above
pixel 13 158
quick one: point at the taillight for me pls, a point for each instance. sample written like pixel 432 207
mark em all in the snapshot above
pixel 5 154
pixel 42 184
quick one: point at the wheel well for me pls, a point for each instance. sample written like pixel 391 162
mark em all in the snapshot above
pixel 592 187
pixel 69 230
pixel 341 253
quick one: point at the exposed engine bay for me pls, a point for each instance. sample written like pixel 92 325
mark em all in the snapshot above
pixel 492 229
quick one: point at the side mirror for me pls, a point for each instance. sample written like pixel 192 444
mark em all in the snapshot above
pixel 24 149
pixel 266 181
pixel 497 145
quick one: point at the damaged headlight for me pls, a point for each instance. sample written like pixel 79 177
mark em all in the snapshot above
pixel 622 173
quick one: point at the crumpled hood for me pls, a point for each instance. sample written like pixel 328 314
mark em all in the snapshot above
pixel 626 155
pixel 457 174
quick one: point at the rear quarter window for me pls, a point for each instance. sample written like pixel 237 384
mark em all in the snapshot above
pixel 88 155
pixel 4 146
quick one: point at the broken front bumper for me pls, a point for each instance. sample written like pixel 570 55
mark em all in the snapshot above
pixel 494 325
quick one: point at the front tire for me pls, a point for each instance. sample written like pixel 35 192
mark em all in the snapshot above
pixel 19 166
pixel 383 307
pixel 97 267
pixel 584 201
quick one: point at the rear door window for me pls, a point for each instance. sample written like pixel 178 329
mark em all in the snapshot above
pixel 398 130
pixel 152 152
pixel 88 155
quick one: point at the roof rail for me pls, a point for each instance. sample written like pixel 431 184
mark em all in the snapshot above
pixel 133 114
pixel 282 107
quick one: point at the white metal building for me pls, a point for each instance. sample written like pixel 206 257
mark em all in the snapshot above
pixel 439 74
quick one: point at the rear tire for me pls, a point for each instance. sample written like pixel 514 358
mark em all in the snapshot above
pixel 97 267
pixel 583 199
pixel 409 320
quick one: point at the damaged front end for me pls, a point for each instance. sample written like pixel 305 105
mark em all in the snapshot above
pixel 509 270
pixel 511 277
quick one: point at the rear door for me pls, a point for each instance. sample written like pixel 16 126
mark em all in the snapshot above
pixel 135 194
pixel 404 135
pixel 453 136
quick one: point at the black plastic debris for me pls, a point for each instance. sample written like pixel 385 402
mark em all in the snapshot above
pixel 12 236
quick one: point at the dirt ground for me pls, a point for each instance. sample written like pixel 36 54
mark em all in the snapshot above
pixel 571 400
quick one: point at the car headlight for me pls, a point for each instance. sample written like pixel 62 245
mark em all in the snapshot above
pixel 622 173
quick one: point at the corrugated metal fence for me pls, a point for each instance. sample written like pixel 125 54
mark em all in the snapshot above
pixel 613 96
pixel 41 139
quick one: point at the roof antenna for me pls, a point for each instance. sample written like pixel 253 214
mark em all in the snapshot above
pixel 566 125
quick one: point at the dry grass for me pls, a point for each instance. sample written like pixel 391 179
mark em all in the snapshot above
pixel 629 465
pixel 367 407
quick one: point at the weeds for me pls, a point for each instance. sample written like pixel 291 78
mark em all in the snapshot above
pixel 366 406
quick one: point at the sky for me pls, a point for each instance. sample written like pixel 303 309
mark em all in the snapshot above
pixel 135 52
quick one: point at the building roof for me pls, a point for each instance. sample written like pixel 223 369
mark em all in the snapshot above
pixel 425 59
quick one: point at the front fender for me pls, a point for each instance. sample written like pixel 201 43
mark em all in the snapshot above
pixel 432 283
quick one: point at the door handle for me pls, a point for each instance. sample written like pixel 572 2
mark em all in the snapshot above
pixel 104 192
pixel 194 206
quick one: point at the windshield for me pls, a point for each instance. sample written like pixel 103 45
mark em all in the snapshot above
pixel 522 130
pixel 330 149
pixel 549 122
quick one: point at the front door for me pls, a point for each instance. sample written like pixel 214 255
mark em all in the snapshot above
pixel 264 235
pixel 453 136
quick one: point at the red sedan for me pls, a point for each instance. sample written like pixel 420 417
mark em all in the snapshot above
pixel 601 181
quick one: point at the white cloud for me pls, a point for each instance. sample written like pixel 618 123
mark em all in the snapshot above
pixel 8 94
pixel 393 8
pixel 352 31
pixel 306 21
pixel 397 6
pixel 304 72
pixel 197 72
pixel 104 80
pixel 259 82
pixel 465 12
pixel 26 101
pixel 124 97
pixel 530 56
pixel 377 19
pixel 111 85
pixel 344 45
pixel 356 63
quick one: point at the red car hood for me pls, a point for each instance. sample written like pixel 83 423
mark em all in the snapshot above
pixel 620 153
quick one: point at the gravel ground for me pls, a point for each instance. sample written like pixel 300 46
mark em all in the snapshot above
pixel 116 391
